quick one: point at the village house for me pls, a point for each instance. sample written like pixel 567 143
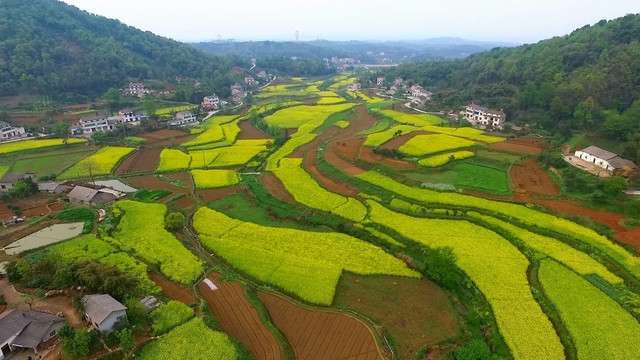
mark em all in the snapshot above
pixel 237 93
pixel 479 115
pixel 52 187
pixel 184 118
pixel 211 102
pixel 104 312
pixel 81 195
pixel 136 88
pixel 131 117
pixel 419 91
pixel 88 125
pixel 262 74
pixel 10 179
pixel 380 81
pixel 11 133
pixel 32 330
pixel 356 86
pixel 398 81
pixel 249 80
pixel 604 159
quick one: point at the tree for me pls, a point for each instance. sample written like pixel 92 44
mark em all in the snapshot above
pixel 174 221
pixel 23 189
pixel 441 267
pixel 113 98
pixel 614 185
pixel 126 339
pixel 75 343
pixel 476 349
pixel 61 129
pixel 149 108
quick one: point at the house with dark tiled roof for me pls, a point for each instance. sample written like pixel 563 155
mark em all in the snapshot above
pixel 604 159
pixel 26 330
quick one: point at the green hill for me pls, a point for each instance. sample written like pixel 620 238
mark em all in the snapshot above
pixel 51 48
pixel 589 79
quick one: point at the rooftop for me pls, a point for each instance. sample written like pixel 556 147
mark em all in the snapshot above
pixel 98 307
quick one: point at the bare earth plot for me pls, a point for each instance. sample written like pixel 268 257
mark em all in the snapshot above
pixel 238 318
pixel 315 334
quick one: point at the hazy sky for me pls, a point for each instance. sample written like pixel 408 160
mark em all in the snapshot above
pixel 494 20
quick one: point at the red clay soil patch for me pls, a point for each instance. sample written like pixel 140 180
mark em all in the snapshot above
pixel 523 145
pixel 40 210
pixel 329 184
pixel 414 312
pixel 275 188
pixel 609 219
pixel 238 318
pixel 215 194
pixel 142 160
pixel 398 141
pixel 248 131
pixel 315 143
pixel 311 101
pixel 154 183
pixel 366 154
pixel 185 202
pixel 315 334
pixel 166 137
pixel 184 177
pixel 162 135
pixel 334 159
pixel 348 148
pixel 173 290
pixel 528 176
pixel 631 237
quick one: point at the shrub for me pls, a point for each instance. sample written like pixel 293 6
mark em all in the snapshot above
pixel 174 221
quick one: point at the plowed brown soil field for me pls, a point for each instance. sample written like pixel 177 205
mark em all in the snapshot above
pixel 315 334
pixel 238 318
pixel 249 131
pixel 166 137
pixel 631 237
pixel 528 176
pixel 215 194
pixel 413 312
pixel 275 188
pixel 173 290
pixel 327 183
pixel 142 160
pixel 523 145
pixel 367 154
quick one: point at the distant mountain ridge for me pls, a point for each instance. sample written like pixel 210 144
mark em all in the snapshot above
pixel 364 51
pixel 49 47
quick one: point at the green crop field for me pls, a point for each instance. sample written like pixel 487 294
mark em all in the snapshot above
pixel 49 164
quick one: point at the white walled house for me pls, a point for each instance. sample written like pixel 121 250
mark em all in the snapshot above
pixel 9 132
pixel 480 115
pixel 356 86
pixel 603 158
pixel 104 312
pixel 184 118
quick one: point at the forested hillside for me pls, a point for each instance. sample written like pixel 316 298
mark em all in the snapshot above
pixel 50 48
pixel 589 79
